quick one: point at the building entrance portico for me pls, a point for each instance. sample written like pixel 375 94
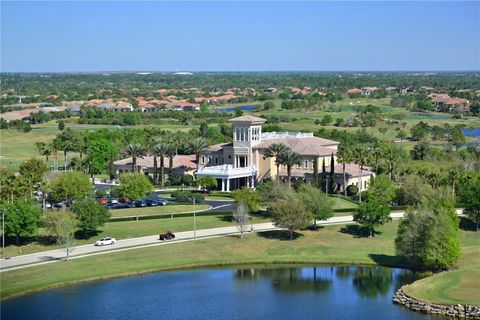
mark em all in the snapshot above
pixel 230 177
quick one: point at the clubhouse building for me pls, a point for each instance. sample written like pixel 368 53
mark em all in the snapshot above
pixel 242 163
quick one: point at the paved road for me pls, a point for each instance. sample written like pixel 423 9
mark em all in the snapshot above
pixel 86 250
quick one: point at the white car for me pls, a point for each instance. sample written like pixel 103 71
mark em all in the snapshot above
pixel 105 241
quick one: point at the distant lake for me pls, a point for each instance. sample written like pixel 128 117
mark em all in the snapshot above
pixel 248 107
pixel 473 132
pixel 431 116
pixel 278 293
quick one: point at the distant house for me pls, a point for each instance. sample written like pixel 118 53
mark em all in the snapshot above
pixel 354 91
pixel 74 108
pixel 122 107
pixel 17 115
pixel 405 90
pixel 366 91
pixel 445 103
pixel 116 107
pixel 271 90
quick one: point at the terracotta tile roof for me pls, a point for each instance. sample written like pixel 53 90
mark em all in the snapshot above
pixel 351 171
pixel 354 90
pixel 306 146
pixel 218 147
pixel 248 119
pixel 179 162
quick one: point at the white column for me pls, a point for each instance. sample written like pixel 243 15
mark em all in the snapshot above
pixel 252 182
pixel 223 185
pixel 228 185
pixel 248 182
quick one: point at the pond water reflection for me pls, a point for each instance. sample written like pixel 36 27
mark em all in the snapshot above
pixel 310 292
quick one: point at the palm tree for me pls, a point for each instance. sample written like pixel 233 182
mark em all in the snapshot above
pixel 40 146
pixel 47 151
pixel 54 147
pixel 134 151
pixel 344 155
pixel 361 157
pixel 197 146
pixel 161 151
pixel 171 154
pixel 273 152
pixel 289 158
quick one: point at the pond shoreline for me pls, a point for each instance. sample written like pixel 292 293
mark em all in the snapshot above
pixel 464 311
pixel 195 267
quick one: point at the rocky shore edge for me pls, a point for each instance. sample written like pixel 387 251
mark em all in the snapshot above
pixel 463 311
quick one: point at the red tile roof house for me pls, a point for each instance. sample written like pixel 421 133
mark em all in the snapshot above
pixel 444 103
pixel 217 99
pixel 366 91
pixel 181 165
pixel 354 91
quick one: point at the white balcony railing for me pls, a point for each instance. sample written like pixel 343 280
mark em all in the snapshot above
pixel 280 135
pixel 227 171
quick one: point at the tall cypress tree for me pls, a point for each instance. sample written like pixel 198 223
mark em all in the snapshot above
pixel 324 177
pixel 315 173
pixel 331 186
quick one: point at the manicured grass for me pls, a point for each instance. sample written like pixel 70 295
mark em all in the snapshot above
pixel 457 286
pixel 340 203
pixel 131 229
pixel 330 245
pixel 149 211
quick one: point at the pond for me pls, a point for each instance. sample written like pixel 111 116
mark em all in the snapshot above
pixel 248 107
pixel 286 292
pixel 431 116
pixel 472 132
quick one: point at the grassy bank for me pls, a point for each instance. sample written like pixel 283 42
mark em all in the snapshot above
pixel 331 245
pixel 131 229
pixel 458 286
pixel 149 211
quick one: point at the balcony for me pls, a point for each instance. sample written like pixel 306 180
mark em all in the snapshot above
pixel 282 135
pixel 227 171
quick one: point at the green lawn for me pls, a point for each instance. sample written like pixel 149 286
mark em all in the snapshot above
pixel 340 203
pixel 457 286
pixel 130 229
pixel 149 211
pixel 329 245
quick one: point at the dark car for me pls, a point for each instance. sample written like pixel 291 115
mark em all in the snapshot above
pixel 140 203
pixel 119 206
pixel 154 202
pixel 166 236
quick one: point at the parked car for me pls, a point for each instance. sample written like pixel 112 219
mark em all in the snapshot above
pixel 59 204
pixel 105 241
pixel 140 203
pixel 119 205
pixel 166 236
pixel 155 202
pixel 103 201
pixel 113 200
pixel 48 205
pixel 125 200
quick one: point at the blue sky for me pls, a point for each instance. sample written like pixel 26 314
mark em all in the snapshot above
pixel 239 36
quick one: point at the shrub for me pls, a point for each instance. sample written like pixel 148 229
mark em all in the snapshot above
pixel 186 196
pixel 352 190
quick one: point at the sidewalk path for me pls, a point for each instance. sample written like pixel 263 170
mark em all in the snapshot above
pixel 132 243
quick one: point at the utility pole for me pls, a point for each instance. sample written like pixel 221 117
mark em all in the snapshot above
pixel 194 221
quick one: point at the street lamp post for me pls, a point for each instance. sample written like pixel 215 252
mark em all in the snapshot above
pixel 194 221
pixel 3 232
